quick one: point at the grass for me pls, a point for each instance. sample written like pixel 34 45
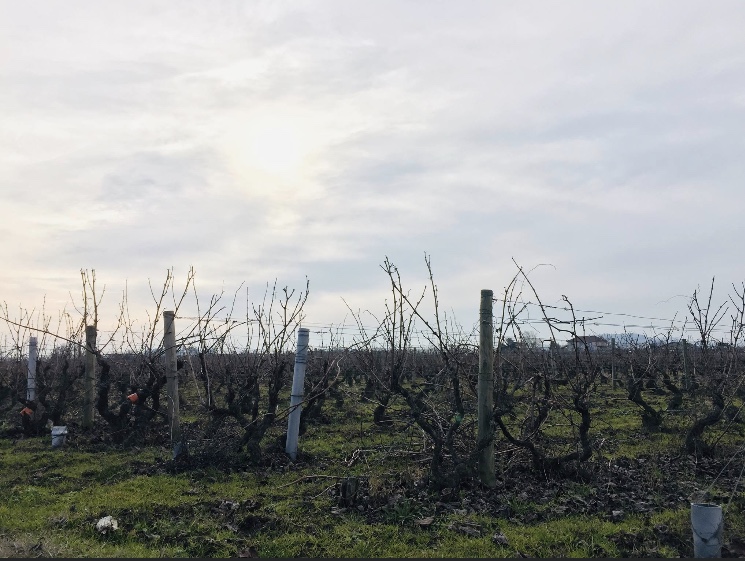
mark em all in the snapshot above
pixel 53 499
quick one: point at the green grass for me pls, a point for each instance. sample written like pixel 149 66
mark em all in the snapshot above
pixel 53 499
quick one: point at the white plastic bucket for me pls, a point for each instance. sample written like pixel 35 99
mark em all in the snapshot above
pixel 707 523
pixel 58 436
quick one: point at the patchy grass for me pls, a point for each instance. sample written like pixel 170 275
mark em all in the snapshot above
pixel 631 499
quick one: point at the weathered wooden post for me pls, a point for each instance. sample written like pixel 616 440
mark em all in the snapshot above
pixel 298 389
pixel 89 383
pixel 169 345
pixel 31 378
pixel 553 348
pixel 686 377
pixel 485 440
pixel 613 363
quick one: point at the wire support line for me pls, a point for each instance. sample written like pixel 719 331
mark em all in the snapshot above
pixel 566 309
pixel 209 319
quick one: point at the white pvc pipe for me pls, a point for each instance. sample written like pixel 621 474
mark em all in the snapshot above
pixel 58 436
pixel 31 378
pixel 298 389
pixel 707 523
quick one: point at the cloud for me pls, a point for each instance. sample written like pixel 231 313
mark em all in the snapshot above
pixel 279 140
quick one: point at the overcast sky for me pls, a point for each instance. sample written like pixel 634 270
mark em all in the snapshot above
pixel 256 141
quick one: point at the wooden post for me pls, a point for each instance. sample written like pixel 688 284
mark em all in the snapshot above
pixel 553 348
pixel 613 363
pixel 686 377
pixel 298 389
pixel 89 383
pixel 485 439
pixel 31 378
pixel 169 344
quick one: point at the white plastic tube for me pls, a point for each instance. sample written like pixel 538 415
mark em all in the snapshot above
pixel 298 389
pixel 58 436
pixel 707 522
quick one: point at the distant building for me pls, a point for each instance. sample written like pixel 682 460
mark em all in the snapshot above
pixel 593 342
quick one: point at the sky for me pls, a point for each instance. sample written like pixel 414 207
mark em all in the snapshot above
pixel 598 144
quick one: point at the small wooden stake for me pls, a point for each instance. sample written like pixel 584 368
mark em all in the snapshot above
pixel 89 383
pixel 31 379
pixel 686 376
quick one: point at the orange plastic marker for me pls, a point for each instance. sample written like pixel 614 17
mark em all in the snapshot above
pixel 26 411
pixel 133 398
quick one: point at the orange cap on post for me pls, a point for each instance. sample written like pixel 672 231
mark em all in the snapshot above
pixel 133 397
pixel 26 411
